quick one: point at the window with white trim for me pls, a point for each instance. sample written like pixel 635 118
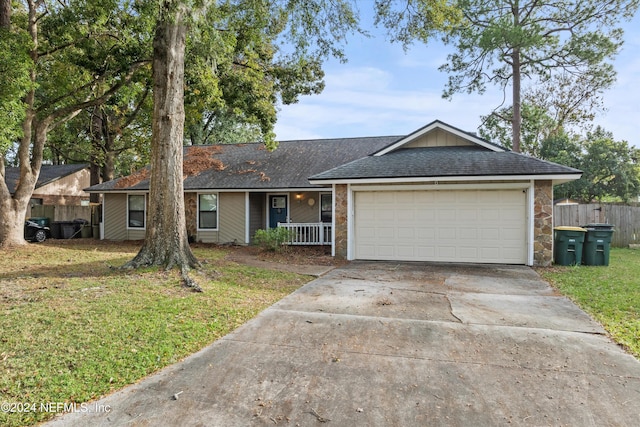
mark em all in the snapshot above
pixel 207 211
pixel 136 209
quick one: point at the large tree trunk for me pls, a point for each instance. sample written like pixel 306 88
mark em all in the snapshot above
pixel 516 120
pixel 516 125
pixel 5 14
pixel 166 242
pixel 97 130
pixel 13 208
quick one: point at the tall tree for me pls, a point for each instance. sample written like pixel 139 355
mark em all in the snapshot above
pixel 64 43
pixel 611 169
pixel 501 42
pixel 236 73
pixel 166 242
pixel 112 137
pixel 562 104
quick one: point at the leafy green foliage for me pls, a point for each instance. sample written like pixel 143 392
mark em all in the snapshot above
pixel 237 73
pixel 15 66
pixel 537 125
pixel 576 37
pixel 610 168
pixel 563 103
pixel 502 43
pixel 407 21
pixel 272 239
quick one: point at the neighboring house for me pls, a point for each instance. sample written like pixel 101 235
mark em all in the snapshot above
pixel 56 185
pixel 438 194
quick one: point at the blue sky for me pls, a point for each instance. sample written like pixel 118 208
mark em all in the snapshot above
pixel 382 90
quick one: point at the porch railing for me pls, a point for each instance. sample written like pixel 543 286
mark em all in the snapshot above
pixel 308 233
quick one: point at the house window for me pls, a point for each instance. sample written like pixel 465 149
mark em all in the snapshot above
pixel 208 211
pixel 326 210
pixel 137 210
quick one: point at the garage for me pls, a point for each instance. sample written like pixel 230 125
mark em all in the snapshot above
pixel 477 226
pixel 444 195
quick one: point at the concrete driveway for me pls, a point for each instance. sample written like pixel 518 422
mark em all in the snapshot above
pixel 396 344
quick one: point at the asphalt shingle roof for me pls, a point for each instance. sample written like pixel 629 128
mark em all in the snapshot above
pixel 251 166
pixel 443 162
pixel 48 174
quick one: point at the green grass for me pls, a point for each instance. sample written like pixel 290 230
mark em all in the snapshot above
pixel 73 329
pixel 611 294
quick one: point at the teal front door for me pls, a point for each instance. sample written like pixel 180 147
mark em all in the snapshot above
pixel 277 210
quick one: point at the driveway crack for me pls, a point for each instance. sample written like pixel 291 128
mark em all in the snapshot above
pixel 451 309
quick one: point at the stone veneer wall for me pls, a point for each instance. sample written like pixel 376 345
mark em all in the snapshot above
pixel 543 224
pixel 191 213
pixel 340 220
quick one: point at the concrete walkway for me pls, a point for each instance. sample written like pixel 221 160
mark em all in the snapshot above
pixel 396 344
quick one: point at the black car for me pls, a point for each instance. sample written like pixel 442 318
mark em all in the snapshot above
pixel 36 232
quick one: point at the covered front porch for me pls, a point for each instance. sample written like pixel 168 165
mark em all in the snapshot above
pixel 307 214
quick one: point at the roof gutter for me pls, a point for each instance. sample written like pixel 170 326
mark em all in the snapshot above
pixel 556 178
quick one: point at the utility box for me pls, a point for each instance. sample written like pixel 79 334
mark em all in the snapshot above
pixel 568 243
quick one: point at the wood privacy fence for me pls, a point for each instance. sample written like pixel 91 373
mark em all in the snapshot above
pixel 61 212
pixel 626 220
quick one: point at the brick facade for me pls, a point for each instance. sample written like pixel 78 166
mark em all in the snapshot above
pixel 191 213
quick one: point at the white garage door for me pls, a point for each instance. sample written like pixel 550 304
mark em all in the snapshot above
pixel 480 226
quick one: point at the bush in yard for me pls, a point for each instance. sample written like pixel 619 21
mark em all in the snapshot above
pixel 272 239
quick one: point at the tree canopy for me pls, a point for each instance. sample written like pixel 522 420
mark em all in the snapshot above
pixel 504 42
pixel 611 169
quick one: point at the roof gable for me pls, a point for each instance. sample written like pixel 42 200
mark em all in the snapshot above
pixel 446 163
pixel 439 134
pixel 48 174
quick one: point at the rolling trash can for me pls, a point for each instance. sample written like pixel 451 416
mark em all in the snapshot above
pixel 568 243
pixel 67 229
pixel 597 244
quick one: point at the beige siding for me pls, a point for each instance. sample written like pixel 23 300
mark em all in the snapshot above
pixel 301 210
pixel 438 138
pixel 115 217
pixel 67 190
pixel 232 217
pixel 257 212
pixel 231 220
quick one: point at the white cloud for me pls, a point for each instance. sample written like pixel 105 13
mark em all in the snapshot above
pixel 385 91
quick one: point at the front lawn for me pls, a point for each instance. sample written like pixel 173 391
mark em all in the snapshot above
pixel 73 329
pixel 611 294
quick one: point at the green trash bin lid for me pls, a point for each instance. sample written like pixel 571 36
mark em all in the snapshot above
pixel 599 227
pixel 567 228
